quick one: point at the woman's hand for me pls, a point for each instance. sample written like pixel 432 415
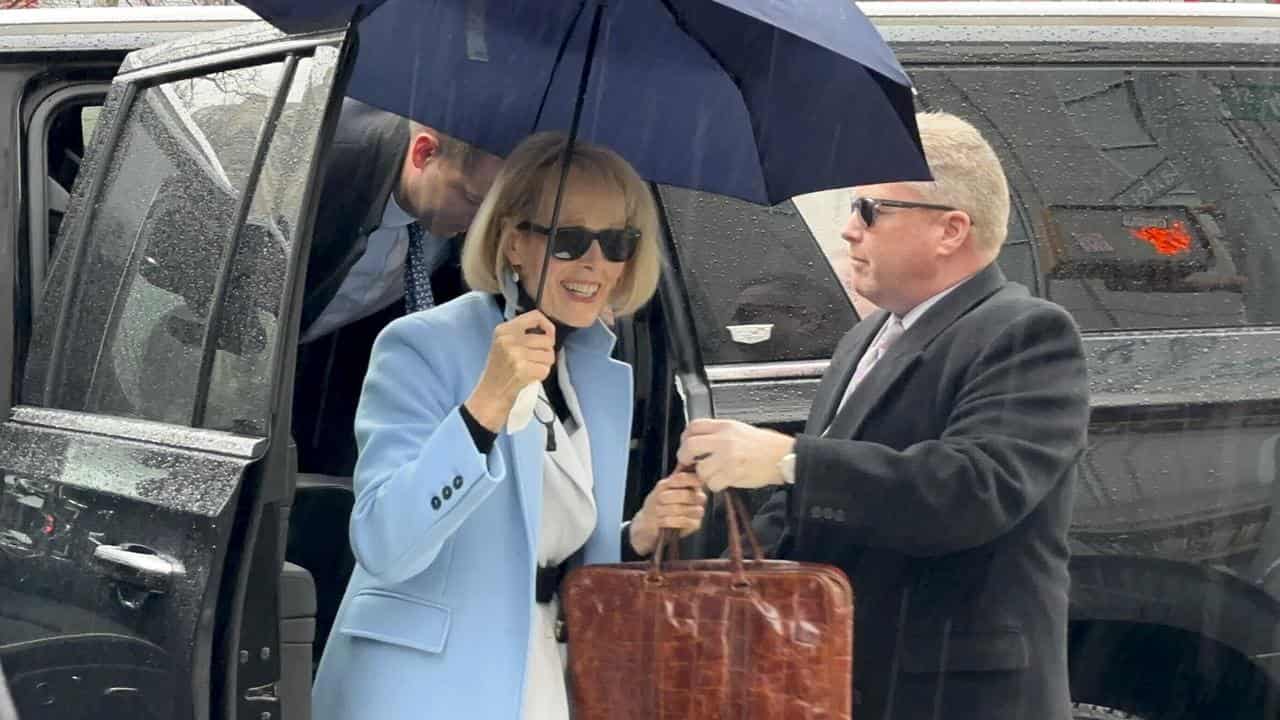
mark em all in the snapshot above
pixel 517 358
pixel 676 502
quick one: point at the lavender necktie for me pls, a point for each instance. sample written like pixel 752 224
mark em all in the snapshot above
pixel 892 331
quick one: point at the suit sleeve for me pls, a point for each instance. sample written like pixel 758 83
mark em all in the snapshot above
pixel 1017 426
pixel 770 523
pixel 420 474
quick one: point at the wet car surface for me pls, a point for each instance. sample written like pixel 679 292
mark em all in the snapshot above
pixel 148 493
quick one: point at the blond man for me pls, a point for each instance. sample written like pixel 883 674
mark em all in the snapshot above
pixel 939 458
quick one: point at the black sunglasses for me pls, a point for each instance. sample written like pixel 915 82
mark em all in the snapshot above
pixel 869 208
pixel 571 243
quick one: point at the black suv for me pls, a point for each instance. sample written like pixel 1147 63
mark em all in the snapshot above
pixel 149 493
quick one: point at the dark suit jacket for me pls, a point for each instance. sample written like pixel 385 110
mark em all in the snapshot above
pixel 363 165
pixel 944 491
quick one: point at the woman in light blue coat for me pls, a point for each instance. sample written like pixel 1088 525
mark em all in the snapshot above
pixel 467 513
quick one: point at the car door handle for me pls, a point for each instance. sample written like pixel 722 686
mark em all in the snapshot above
pixel 137 565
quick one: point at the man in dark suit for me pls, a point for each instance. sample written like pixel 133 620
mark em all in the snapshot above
pixel 940 455
pixel 395 199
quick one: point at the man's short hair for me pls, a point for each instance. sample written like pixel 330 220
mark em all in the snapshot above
pixel 966 175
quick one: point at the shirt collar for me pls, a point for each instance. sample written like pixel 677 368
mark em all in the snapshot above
pixel 919 310
pixel 393 216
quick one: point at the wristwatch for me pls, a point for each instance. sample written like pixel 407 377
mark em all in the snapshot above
pixel 787 468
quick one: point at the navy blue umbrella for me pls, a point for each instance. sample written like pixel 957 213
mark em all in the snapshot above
pixel 758 99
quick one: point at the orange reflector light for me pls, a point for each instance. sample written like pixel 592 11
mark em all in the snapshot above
pixel 1172 240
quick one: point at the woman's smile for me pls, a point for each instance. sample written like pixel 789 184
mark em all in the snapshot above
pixel 584 292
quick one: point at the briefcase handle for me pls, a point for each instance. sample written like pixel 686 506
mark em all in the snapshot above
pixel 668 548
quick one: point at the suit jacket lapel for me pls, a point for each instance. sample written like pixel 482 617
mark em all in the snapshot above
pixel 566 457
pixel 604 394
pixel 843 363
pixel 902 355
pixel 527 448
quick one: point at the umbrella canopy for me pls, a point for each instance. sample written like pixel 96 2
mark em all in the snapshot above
pixel 757 99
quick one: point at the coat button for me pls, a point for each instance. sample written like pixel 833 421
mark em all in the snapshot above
pixel 457 482
pixel 446 492
pixel 435 503
pixel 815 512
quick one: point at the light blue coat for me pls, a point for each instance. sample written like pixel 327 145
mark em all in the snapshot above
pixel 435 621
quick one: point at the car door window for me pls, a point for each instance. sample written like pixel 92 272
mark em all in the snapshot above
pixel 1151 195
pixel 154 246
pixel 760 287
pixel 68 131
pixel 240 376
pixel 131 548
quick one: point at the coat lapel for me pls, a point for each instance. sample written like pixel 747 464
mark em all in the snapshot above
pixel 527 448
pixel 567 458
pixel 843 363
pixel 902 356
pixel 603 388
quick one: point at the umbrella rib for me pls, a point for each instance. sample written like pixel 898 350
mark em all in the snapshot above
pixel 688 31
pixel 555 66
pixel 680 23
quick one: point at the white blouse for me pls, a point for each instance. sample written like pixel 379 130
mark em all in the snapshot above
pixel 568 519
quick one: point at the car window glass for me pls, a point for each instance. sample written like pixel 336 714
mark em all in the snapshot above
pixel 759 285
pixel 69 132
pixel 239 390
pixel 826 213
pixel 1143 190
pixel 132 344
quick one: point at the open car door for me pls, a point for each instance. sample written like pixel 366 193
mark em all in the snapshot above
pixel 145 475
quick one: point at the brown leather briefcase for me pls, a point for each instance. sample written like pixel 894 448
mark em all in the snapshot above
pixel 710 639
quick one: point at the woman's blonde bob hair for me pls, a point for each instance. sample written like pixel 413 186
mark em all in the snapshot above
pixel 526 184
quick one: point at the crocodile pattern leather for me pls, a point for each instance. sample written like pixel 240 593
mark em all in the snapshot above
pixel 710 640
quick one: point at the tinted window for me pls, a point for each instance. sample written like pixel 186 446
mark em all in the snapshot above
pixel 68 135
pixel 1152 196
pixel 133 341
pixel 239 389
pixel 760 287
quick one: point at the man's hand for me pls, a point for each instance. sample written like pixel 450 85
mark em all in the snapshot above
pixel 676 502
pixel 728 453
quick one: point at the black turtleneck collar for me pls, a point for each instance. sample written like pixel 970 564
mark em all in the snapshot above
pixel 524 303
pixel 555 395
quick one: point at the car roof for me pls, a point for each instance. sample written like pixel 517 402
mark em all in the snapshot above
pixel 1079 32
pixel 1254 14
pixel 110 29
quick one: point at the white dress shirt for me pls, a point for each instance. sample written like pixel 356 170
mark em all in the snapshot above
pixel 568 519
pixel 377 278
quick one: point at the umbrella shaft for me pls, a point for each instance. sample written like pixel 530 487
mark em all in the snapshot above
pixel 568 148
